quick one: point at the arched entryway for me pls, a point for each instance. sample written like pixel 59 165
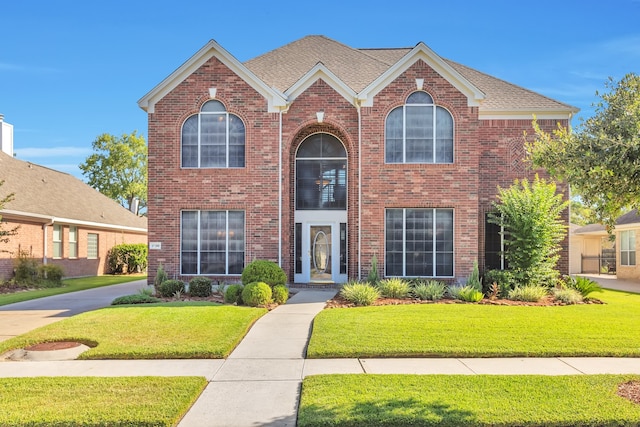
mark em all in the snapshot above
pixel 321 210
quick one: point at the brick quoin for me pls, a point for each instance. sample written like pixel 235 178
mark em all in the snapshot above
pixel 487 154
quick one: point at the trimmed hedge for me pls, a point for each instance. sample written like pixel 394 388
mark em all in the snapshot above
pixel 257 294
pixel 200 287
pixel 264 271
pixel 233 294
pixel 169 288
pixel 128 258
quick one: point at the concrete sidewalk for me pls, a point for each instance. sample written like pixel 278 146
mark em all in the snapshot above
pixel 269 364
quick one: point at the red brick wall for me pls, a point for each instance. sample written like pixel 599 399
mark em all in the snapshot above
pixel 30 239
pixel 486 154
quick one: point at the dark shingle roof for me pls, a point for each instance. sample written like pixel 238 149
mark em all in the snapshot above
pixel 42 191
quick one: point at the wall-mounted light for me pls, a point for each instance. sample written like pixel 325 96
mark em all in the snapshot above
pixel 419 83
pixel 212 92
pixel 320 116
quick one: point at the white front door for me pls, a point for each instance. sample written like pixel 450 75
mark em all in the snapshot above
pixel 321 252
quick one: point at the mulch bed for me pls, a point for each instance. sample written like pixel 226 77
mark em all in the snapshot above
pixel 630 390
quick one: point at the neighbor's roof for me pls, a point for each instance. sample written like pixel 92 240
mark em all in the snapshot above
pixel 627 219
pixel 44 193
pixel 282 67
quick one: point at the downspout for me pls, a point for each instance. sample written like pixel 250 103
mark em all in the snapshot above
pixel 280 189
pixel 44 239
pixel 358 109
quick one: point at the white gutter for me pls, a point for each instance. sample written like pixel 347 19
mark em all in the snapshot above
pixel 358 108
pixel 73 221
pixel 280 190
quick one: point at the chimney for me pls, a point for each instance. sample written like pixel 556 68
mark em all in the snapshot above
pixel 6 137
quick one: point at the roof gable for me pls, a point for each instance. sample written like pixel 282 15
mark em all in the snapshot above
pixel 275 100
pixel 316 73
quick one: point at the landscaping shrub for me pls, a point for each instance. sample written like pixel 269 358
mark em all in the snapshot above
pixel 233 294
pixel 567 295
pixel 432 290
pixel 474 278
pixel 372 277
pixel 26 269
pixel 360 293
pixel 394 288
pixel 280 294
pixel 470 294
pixel 264 271
pixel 531 293
pixel 200 287
pixel 257 294
pixel 127 258
pixel 531 217
pixel 503 278
pixel 169 288
pixel 50 275
pixel 584 285
pixel 161 276
pixel 135 299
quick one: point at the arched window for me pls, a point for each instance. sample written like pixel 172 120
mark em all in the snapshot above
pixel 321 173
pixel 213 138
pixel 419 132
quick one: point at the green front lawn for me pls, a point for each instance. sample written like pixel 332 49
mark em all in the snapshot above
pixel 472 330
pixel 70 285
pixel 95 401
pixel 151 331
pixel 440 400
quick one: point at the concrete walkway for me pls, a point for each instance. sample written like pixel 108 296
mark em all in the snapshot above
pixel 267 368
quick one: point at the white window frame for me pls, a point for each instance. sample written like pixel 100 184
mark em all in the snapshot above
pixel 627 247
pixel 58 232
pixel 73 242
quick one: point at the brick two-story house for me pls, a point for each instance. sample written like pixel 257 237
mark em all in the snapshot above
pixel 321 157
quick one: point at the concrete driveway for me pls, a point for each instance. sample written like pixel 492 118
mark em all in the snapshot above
pixel 612 282
pixel 21 317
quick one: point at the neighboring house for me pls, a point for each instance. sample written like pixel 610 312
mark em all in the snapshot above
pixel 600 254
pixel 320 157
pixel 61 220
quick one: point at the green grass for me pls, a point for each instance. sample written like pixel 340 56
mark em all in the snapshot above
pixel 439 400
pixel 69 285
pixel 472 330
pixel 152 331
pixel 95 401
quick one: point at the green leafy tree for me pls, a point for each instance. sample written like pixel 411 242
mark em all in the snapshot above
pixel 5 234
pixel 118 168
pixel 581 214
pixel 531 217
pixel 601 159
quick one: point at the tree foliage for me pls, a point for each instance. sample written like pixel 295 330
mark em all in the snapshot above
pixel 601 159
pixel 118 168
pixel 5 234
pixel 531 217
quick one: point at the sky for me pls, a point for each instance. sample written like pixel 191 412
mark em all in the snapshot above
pixel 72 70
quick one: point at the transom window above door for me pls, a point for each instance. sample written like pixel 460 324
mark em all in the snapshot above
pixel 213 138
pixel 419 132
pixel 321 173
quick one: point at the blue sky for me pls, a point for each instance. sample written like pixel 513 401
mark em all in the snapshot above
pixel 72 70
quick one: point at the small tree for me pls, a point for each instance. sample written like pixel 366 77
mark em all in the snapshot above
pixel 531 217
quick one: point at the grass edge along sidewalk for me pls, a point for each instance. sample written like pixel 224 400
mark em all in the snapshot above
pixel 454 400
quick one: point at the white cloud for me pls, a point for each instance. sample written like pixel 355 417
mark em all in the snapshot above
pixel 47 152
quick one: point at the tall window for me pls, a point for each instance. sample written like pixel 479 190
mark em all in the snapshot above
pixel 57 241
pixel 419 132
pixel 419 242
pixel 628 247
pixel 213 138
pixel 92 246
pixel 73 242
pixel 494 246
pixel 212 242
pixel 321 173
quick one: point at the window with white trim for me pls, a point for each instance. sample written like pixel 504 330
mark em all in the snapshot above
pixel 92 246
pixel 57 241
pixel 213 138
pixel 73 242
pixel 419 132
pixel 212 242
pixel 419 242
pixel 628 247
